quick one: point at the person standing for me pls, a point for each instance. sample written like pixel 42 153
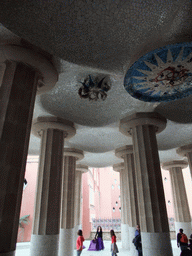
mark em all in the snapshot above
pixel 79 243
pixel 97 243
pixel 99 237
pixel 137 240
pixel 182 240
pixel 114 248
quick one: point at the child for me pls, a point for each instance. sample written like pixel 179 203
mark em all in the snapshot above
pixel 79 243
pixel 114 248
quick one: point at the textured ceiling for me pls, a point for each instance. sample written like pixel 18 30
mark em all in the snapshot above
pixel 103 38
pixel 102 34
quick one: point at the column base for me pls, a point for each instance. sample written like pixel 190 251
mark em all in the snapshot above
pixel 66 242
pixel 125 236
pixel 186 226
pixel 12 253
pixel 44 245
pixel 131 236
pixel 157 244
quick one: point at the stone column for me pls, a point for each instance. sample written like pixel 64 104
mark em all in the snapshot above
pixel 124 210
pixel 80 169
pixel 186 151
pixel 45 236
pixel 151 200
pixel 181 206
pixel 129 181
pixel 66 245
pixel 22 73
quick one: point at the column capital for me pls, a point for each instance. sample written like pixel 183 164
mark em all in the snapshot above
pixel 48 75
pixel 52 122
pixel 123 151
pixel 182 151
pixel 82 168
pixel 77 153
pixel 118 167
pixel 142 118
pixel 177 163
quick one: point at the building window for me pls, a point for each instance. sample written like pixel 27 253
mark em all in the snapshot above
pixel 116 203
pixel 115 181
pixel 165 179
pixel 119 198
pixel 118 186
pixel 112 186
pixel 169 202
pixel 120 209
pixel 113 209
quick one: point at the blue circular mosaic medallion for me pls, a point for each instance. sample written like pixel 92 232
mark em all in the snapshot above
pixel 164 74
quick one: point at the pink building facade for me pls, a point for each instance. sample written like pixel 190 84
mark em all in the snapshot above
pixel 104 198
pixel 28 200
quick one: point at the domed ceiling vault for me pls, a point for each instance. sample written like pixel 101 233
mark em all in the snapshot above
pixel 101 39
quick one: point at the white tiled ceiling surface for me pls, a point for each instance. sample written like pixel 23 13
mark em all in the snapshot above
pixel 100 37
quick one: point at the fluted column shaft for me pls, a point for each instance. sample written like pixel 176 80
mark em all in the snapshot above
pixel 182 213
pixel 80 169
pixel 181 206
pixel 151 201
pixel 152 209
pixel 17 96
pixel 124 183
pixel 124 204
pixel 22 73
pixel 46 224
pixel 66 246
pixel 68 193
pixel 123 208
pixel 126 153
pixel 77 207
pixel 133 214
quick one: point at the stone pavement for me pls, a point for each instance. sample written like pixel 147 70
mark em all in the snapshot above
pixel 23 249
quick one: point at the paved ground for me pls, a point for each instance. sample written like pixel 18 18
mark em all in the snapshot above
pixel 23 249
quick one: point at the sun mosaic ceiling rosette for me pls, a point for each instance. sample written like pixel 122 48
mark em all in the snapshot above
pixel 164 74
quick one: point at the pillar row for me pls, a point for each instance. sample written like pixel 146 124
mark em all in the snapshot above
pixel 151 200
pixel 80 169
pixel 186 151
pixel 45 235
pixel 181 206
pixel 66 245
pixel 22 74
pixel 126 153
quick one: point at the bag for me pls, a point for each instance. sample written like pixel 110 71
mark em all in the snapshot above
pixel 184 239
pixel 137 241
pixel 114 248
pixel 133 241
